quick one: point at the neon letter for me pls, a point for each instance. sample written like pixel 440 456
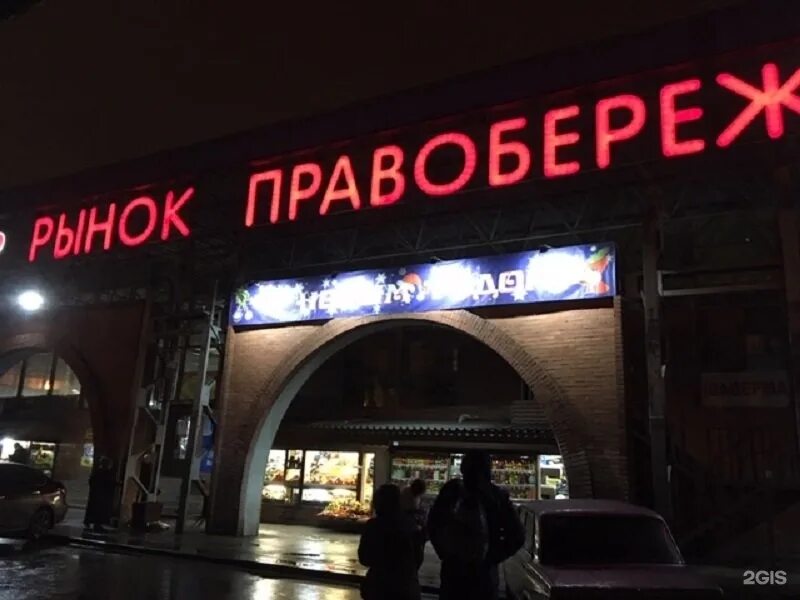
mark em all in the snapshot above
pixel 171 216
pixel 65 238
pixel 276 176
pixel 297 193
pixel 606 135
pixel 497 148
pixel 78 245
pixel 391 172
pixel 95 226
pixel 343 169
pixel 152 220
pixel 470 162
pixel 771 100
pixel 672 117
pixel 42 232
pixel 553 140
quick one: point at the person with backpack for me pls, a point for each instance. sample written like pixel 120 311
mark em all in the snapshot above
pixel 391 548
pixel 473 527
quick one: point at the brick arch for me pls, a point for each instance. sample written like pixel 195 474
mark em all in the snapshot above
pixel 19 347
pixel 257 427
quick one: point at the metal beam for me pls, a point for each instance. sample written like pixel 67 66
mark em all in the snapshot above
pixel 651 252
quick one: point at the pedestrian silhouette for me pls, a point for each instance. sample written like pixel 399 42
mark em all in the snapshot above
pixel 473 527
pixel 390 547
pixel 20 455
pixel 102 485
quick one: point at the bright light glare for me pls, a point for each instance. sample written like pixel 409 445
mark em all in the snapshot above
pixel 452 280
pixel 30 300
pixel 352 293
pixel 555 273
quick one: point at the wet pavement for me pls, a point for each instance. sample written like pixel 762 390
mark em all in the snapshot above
pixel 69 573
pixel 283 546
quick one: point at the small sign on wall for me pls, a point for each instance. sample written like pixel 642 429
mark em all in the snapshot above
pixel 757 389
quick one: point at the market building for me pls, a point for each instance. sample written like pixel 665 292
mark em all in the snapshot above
pixel 589 268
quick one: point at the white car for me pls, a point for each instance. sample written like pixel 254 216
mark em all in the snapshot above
pixel 597 549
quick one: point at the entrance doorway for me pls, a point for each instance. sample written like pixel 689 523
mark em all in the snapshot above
pixel 400 405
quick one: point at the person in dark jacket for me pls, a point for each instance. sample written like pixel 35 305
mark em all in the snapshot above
pixel 474 580
pixel 102 486
pixel 390 548
pixel 20 455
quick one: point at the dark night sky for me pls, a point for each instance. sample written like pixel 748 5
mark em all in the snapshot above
pixel 92 82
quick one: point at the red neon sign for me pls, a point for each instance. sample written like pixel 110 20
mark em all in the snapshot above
pixel 100 228
pixel 611 126
pixel 771 99
pixel 682 115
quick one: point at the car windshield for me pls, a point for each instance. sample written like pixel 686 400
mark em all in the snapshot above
pixel 605 539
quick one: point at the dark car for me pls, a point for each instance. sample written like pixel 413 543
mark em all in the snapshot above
pixel 30 501
pixel 597 549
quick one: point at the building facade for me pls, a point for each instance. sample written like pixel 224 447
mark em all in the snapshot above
pixel 650 336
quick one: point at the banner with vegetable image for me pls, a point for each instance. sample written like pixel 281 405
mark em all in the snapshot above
pixel 546 275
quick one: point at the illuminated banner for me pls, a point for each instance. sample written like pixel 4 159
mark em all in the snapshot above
pixel 572 273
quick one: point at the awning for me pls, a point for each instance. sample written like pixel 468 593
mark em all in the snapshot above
pixel 376 431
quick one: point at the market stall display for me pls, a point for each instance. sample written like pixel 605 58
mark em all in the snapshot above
pixel 330 475
pixel 40 455
pixel 552 477
pixel 431 468
pixel 517 475
pixel 346 509
pixel 282 476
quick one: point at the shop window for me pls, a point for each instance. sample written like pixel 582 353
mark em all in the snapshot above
pixel 517 474
pixel 9 381
pixel 38 375
pixel 282 477
pixel 275 477
pixel 41 374
pixel 368 479
pixel 552 478
pixel 41 455
pixel 330 476
pixel 65 382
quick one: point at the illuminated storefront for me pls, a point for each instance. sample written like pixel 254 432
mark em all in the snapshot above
pixel 44 421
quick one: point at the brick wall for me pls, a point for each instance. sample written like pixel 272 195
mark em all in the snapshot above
pixel 101 345
pixel 571 359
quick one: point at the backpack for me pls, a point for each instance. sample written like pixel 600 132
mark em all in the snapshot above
pixel 466 532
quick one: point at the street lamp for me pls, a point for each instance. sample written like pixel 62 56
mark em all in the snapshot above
pixel 30 300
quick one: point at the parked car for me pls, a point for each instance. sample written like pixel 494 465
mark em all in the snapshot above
pixel 30 501
pixel 597 549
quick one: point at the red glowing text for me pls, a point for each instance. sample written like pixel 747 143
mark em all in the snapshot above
pixel 100 228
pixel 553 142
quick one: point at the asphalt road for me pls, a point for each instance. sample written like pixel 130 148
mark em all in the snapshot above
pixel 69 573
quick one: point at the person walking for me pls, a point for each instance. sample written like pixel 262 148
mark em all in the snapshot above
pixel 390 548
pixel 411 502
pixel 473 527
pixel 411 505
pixel 102 485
